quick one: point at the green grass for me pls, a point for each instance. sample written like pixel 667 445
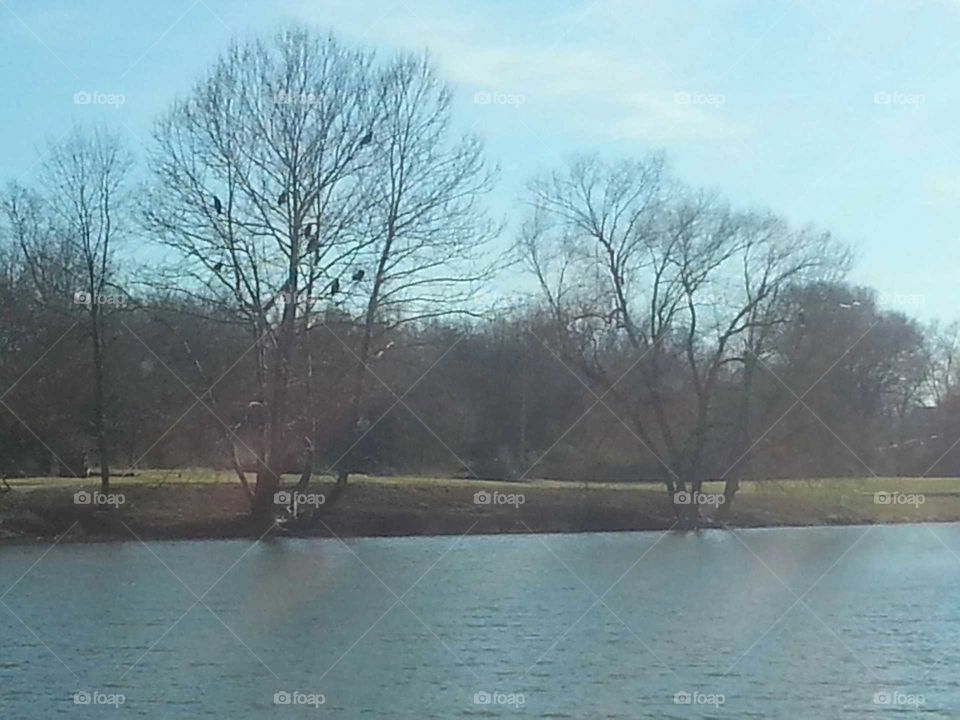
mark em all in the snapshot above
pixel 210 501
pixel 146 477
pixel 852 490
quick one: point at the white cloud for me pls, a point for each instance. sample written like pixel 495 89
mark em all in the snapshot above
pixel 605 93
pixel 615 98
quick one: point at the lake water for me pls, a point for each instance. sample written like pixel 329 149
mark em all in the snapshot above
pixel 786 623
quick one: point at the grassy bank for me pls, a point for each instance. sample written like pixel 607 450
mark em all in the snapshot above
pixel 204 504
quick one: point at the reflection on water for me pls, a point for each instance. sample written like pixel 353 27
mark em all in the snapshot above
pixel 786 623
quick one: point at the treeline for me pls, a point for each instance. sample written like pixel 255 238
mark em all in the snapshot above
pixel 495 393
pixel 309 281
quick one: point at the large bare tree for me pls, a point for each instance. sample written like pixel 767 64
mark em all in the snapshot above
pixel 655 290
pixel 256 192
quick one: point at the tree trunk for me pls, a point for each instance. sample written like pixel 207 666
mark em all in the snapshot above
pixel 356 408
pixel 732 484
pixel 307 474
pixel 268 473
pixel 730 488
pixel 241 475
pixel 674 494
pixel 353 436
pixel 347 462
pixel 693 509
pixel 99 421
pixel 363 359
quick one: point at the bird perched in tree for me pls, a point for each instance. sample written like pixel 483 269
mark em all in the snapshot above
pixel 217 205
pixel 256 415
pixel 366 139
pixel 335 286
pixel 358 276
pixel 218 267
pixel 282 199
pixel 308 230
pixel 313 243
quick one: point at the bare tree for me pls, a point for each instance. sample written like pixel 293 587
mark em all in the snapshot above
pixel 775 259
pixel 428 251
pixel 256 192
pixel 645 277
pixel 68 231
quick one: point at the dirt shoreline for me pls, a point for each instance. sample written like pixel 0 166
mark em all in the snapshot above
pixel 186 510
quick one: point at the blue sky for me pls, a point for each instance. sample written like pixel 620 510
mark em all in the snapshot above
pixel 843 114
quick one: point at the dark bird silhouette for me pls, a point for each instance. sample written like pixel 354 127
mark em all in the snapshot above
pixel 217 205
pixel 218 267
pixel 308 230
pixel 282 199
pixel 256 415
pixel 358 276
pixel 313 243
pixel 366 139
pixel 335 286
